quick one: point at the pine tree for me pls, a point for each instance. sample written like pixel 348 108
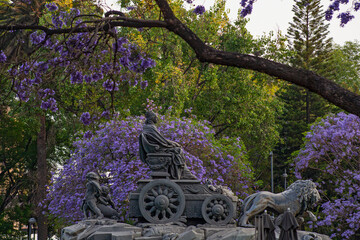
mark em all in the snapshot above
pixel 311 47
pixel 308 39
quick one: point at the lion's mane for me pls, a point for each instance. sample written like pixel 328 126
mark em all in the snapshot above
pixel 305 191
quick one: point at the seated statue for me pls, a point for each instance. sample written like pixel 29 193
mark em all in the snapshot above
pixel 152 142
pixel 298 197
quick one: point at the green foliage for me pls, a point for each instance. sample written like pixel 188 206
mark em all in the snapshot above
pixel 238 103
pixel 345 65
pixel 18 153
pixel 308 35
pixel 310 49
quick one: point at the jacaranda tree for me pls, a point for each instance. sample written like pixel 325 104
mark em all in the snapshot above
pixel 112 152
pixel 331 158
pixel 167 19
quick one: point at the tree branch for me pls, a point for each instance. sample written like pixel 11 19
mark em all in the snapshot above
pixel 329 90
pixel 107 22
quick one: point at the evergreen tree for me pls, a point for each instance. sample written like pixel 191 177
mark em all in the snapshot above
pixel 311 47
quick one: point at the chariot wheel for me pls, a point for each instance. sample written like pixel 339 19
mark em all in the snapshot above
pixel 161 201
pixel 217 210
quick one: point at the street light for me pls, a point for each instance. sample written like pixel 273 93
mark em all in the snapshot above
pixel 31 222
pixel 285 176
pixel 272 171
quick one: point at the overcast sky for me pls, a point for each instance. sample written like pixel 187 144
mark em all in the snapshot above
pixel 274 15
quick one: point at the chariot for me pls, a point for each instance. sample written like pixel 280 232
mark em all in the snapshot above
pixel 162 200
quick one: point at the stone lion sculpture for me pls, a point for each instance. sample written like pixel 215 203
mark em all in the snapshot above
pixel 298 197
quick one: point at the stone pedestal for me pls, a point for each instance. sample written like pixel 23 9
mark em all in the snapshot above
pixel 112 230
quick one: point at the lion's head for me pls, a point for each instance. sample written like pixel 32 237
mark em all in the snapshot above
pixel 305 191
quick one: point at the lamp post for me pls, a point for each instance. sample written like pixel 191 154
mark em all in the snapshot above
pixel 272 171
pixel 31 222
pixel 285 176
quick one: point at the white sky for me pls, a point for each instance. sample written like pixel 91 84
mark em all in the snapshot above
pixel 274 15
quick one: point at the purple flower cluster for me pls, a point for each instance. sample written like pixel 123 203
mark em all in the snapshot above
pixel 356 6
pixel 331 158
pixel 110 85
pixel 37 37
pixel 112 151
pixel 76 57
pixel 76 77
pixel 51 7
pixel 247 7
pixel 58 23
pixel 49 104
pixel 85 118
pixel 199 10
pixel 344 17
pixel 2 57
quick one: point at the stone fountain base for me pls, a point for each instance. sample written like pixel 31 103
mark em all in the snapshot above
pixel 107 229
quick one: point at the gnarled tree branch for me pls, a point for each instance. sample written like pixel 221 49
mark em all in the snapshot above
pixel 326 88
pixel 329 90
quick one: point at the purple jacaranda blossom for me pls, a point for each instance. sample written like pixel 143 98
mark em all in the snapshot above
pixel 110 85
pixel 329 157
pixel 119 43
pixel 58 23
pixel 199 10
pixel 113 151
pixel 49 104
pixel 247 9
pixel 42 67
pixel 345 17
pixel 22 89
pixel 85 118
pixel 97 76
pixel 143 84
pixel 74 12
pixel 87 78
pixel 356 6
pixel 148 63
pixel 44 93
pixel 37 37
pixel 2 57
pixel 105 114
pixel 51 7
pixel 76 77
pixel 88 134
pixel 105 68
pixel 124 61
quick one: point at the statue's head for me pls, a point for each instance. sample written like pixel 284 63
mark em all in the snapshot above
pixel 92 176
pixel 151 117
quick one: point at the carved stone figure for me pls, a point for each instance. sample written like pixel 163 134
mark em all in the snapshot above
pixel 105 197
pixel 97 202
pixel 93 191
pixel 299 197
pixel 153 147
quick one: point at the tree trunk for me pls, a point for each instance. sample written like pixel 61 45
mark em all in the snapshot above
pixel 41 179
pixel 307 93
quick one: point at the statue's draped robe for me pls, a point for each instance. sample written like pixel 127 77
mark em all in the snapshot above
pixel 151 141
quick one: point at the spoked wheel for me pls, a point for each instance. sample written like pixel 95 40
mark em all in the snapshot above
pixel 217 210
pixel 161 201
